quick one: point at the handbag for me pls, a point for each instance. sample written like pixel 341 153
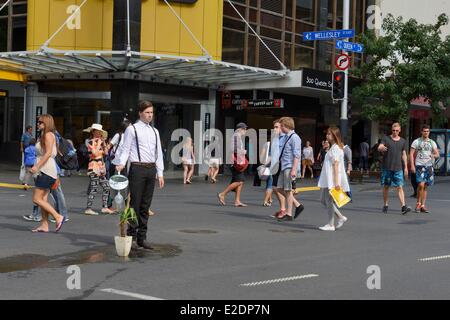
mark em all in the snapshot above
pixel 238 164
pixel 22 173
pixel 264 170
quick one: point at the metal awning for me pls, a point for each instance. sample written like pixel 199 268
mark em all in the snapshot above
pixel 190 71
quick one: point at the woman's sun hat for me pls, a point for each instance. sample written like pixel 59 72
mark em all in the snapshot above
pixel 99 127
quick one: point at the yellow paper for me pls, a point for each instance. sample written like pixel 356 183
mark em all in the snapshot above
pixel 340 197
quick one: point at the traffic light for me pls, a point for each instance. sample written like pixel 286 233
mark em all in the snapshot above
pixel 338 89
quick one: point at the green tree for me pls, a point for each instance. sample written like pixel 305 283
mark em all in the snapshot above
pixel 410 60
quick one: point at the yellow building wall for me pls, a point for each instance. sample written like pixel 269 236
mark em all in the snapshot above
pixel 9 75
pixel 46 16
pixel 162 32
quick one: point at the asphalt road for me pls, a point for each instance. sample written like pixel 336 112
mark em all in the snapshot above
pixel 206 251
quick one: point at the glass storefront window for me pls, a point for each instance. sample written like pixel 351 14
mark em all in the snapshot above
pixel 305 10
pixel 287 54
pixel 251 57
pixel 270 33
pixel 233 24
pixel 266 59
pixel 3 35
pixel 13 15
pixel 340 15
pixel 303 58
pixel 19 34
pixel 358 16
pixel 330 15
pixel 271 20
pixel 272 5
pixel 289 4
pixel 233 46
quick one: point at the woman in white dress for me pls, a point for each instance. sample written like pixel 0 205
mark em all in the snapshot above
pixel 333 176
pixel 188 161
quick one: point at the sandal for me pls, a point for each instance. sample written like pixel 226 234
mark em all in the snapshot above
pixel 240 205
pixel 59 225
pixel 221 199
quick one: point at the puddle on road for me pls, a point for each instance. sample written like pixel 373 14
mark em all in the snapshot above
pixel 197 231
pixel 286 230
pixel 103 254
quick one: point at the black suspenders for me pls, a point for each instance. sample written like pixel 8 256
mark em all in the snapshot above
pixel 137 143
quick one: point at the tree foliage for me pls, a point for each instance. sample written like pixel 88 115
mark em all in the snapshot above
pixel 410 60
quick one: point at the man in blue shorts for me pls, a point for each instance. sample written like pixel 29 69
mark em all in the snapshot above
pixel 395 166
pixel 422 154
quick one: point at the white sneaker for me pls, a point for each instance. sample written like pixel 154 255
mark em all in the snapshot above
pixel 327 227
pixel 90 212
pixel 341 222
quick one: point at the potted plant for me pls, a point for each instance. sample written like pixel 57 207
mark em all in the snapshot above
pixel 123 242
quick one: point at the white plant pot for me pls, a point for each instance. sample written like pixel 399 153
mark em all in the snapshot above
pixel 123 245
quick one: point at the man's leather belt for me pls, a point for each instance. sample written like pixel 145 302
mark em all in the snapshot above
pixel 144 164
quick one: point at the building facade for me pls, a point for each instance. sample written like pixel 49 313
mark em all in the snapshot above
pixel 84 79
pixel 306 93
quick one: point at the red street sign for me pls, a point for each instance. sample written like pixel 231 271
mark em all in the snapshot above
pixel 342 62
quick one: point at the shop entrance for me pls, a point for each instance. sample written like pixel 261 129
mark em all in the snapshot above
pixel 168 118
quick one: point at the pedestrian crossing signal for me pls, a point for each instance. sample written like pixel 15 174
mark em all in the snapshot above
pixel 338 85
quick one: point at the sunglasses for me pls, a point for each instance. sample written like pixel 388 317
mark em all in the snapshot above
pixel 395 130
pixel 40 122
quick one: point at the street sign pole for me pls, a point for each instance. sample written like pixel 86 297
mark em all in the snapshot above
pixel 344 103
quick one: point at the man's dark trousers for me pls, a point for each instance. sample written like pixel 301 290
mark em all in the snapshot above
pixel 142 184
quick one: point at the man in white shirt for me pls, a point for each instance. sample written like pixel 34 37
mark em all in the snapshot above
pixel 422 155
pixel 142 147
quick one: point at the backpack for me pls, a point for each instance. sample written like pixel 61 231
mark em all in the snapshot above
pixel 66 157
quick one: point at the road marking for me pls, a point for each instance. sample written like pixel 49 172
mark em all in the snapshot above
pixel 438 200
pixel 434 258
pixel 303 189
pixel 14 186
pixel 130 294
pixel 252 284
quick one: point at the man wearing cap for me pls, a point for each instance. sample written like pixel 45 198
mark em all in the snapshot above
pixel 142 147
pixel 237 176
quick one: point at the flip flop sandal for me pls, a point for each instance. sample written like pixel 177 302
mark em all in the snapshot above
pixel 241 205
pixel 59 226
pixel 222 202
